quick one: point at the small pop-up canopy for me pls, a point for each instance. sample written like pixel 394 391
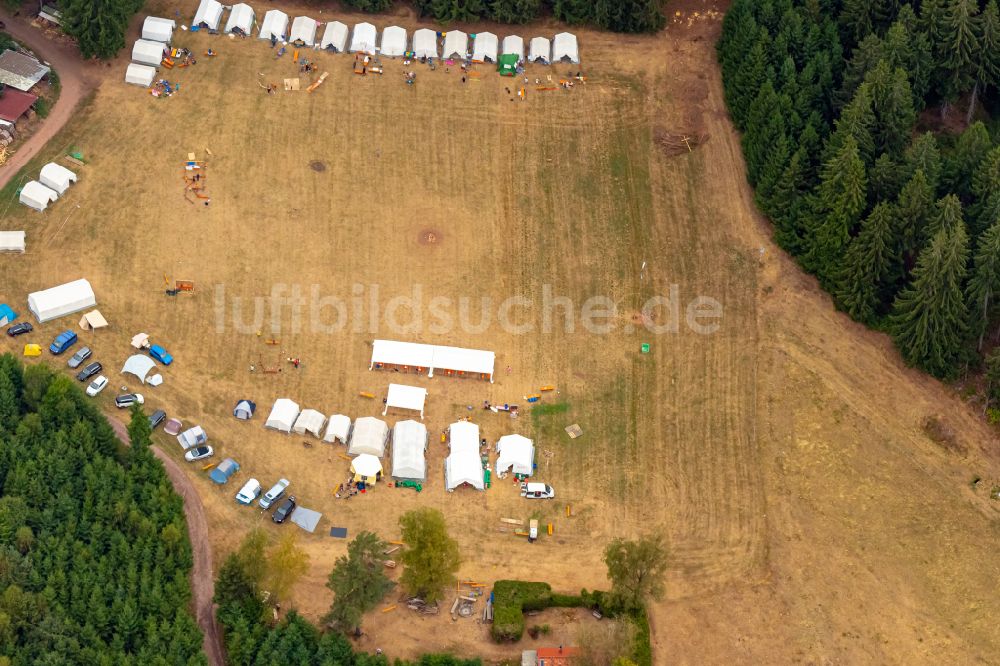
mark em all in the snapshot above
pixel 464 465
pixel 484 47
pixel 226 469
pixel 303 31
pixel 425 44
pixel 310 421
pixel 192 437
pixel 275 25
pixel 209 14
pixel 334 37
pixel 366 469
pixel 138 365
pixel 393 41
pixel 369 436
pixel 564 48
pixel 283 415
pixel 140 75
pixel 338 429
pixel 364 39
pixel 512 44
pixel 409 445
pixel 540 50
pixel 241 19
pixel 56 177
pixel 7 314
pixel 456 45
pixel 405 397
pixel 61 301
pixel 516 453
pixel 37 196
pixel 93 320
pixel 158 29
pixel 146 52
pixel 244 410
pixel 11 241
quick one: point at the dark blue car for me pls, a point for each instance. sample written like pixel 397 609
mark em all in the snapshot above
pixel 63 341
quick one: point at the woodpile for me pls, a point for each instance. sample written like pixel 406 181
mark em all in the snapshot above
pixel 678 142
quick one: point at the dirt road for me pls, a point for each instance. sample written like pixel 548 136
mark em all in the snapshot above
pixel 74 75
pixel 202 575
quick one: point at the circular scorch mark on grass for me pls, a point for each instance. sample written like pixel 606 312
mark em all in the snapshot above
pixel 429 237
pixel 318 166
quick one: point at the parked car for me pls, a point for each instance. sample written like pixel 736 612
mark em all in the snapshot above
pixel 20 329
pixel 97 386
pixel 284 511
pixel 128 399
pixel 156 418
pixel 249 492
pixel 537 491
pixel 63 341
pixel 81 355
pixel 89 371
pixel 198 453
pixel 276 491
pixel 160 354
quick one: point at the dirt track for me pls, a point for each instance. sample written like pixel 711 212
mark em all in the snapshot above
pixel 202 574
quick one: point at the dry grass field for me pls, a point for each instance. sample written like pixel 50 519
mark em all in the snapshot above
pixel 810 518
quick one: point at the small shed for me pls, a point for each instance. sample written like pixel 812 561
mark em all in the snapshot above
pixel 311 421
pixel 366 469
pixel 209 15
pixel 56 177
pixel 484 47
pixel 456 45
pixel 334 37
pixel 303 31
pixel 241 19
pixel 147 52
pixel 274 25
pixel 140 75
pixel 425 44
pixel 364 39
pixel 11 241
pixel 283 415
pixel 368 436
pixel 21 71
pixel 338 429
pixel 37 196
pixel 244 410
pixel 540 50
pixel 512 44
pixel 158 29
pixel 14 104
pixel 401 396
pixel 224 470
pixel 564 48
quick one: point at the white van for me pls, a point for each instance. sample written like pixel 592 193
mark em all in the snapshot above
pixel 249 492
pixel 276 491
pixel 537 491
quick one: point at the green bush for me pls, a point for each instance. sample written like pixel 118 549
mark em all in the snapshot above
pixel 42 107
pixel 510 599
pixel 642 651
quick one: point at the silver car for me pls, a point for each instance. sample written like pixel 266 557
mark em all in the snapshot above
pixel 79 357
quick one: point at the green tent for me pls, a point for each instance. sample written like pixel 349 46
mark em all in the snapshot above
pixel 507 64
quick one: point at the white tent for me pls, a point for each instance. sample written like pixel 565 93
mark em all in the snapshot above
pixel 192 437
pixel 456 45
pixel 405 397
pixel 540 50
pixel 393 41
pixel 425 43
pixel 366 468
pixel 564 48
pixel 310 421
pixel 209 14
pixel 140 340
pixel 37 196
pixel 334 37
pixel 303 31
pixel 146 52
pixel 244 410
pixel 93 320
pixel 338 429
pixel 275 25
pixel 409 445
pixel 369 436
pixel 364 39
pixel 516 453
pixel 464 465
pixel 56 177
pixel 62 300
pixel 513 44
pixel 411 355
pixel 158 29
pixel 140 75
pixel 461 361
pixel 11 241
pixel 138 365
pixel 241 19
pixel 283 415
pixel 484 47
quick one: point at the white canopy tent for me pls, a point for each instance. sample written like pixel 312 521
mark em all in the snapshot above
pixel 461 361
pixel 11 241
pixel 244 410
pixel 463 464
pixel 37 196
pixel 158 29
pixel 369 436
pixel 56 177
pixel 484 47
pixel 425 44
pixel 564 48
pixel 517 454
pixel 192 437
pixel 275 25
pixel 241 19
pixel 140 75
pixel 456 45
pixel 409 446
pixel 209 14
pixel 338 429
pixel 366 468
pixel 411 355
pixel 364 39
pixel 393 41
pixel 303 31
pixel 138 365
pixel 513 44
pixel 310 421
pixel 62 300
pixel 146 52
pixel 405 397
pixel 334 37
pixel 283 415
pixel 540 50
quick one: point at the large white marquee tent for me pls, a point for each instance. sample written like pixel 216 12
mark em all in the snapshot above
pixel 464 465
pixel 338 429
pixel 540 50
pixel 456 45
pixel 334 36
pixel 303 31
pixel 393 41
pixel 564 48
pixel 311 421
pixel 283 415
pixel 405 397
pixel 147 52
pixel 11 241
pixel 140 75
pixel 364 39
pixel 209 14
pixel 517 454
pixel 425 44
pixel 56 177
pixel 158 29
pixel 513 44
pixel 138 365
pixel 62 300
pixel 484 47
pixel 37 196
pixel 369 436
pixel 409 446
pixel 241 19
pixel 275 25
pixel 432 357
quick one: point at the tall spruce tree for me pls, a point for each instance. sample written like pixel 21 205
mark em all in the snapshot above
pixel 984 285
pixel 98 25
pixel 866 264
pixel 959 48
pixel 947 215
pixel 914 207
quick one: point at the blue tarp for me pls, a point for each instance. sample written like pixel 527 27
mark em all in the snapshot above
pixel 7 314
pixel 226 469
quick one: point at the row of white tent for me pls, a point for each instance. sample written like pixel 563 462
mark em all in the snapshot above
pixel 53 181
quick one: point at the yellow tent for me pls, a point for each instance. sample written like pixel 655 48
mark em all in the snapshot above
pixel 32 350
pixel 366 468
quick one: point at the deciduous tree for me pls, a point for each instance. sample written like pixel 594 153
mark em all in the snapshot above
pixel 358 581
pixel 636 570
pixel 430 557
